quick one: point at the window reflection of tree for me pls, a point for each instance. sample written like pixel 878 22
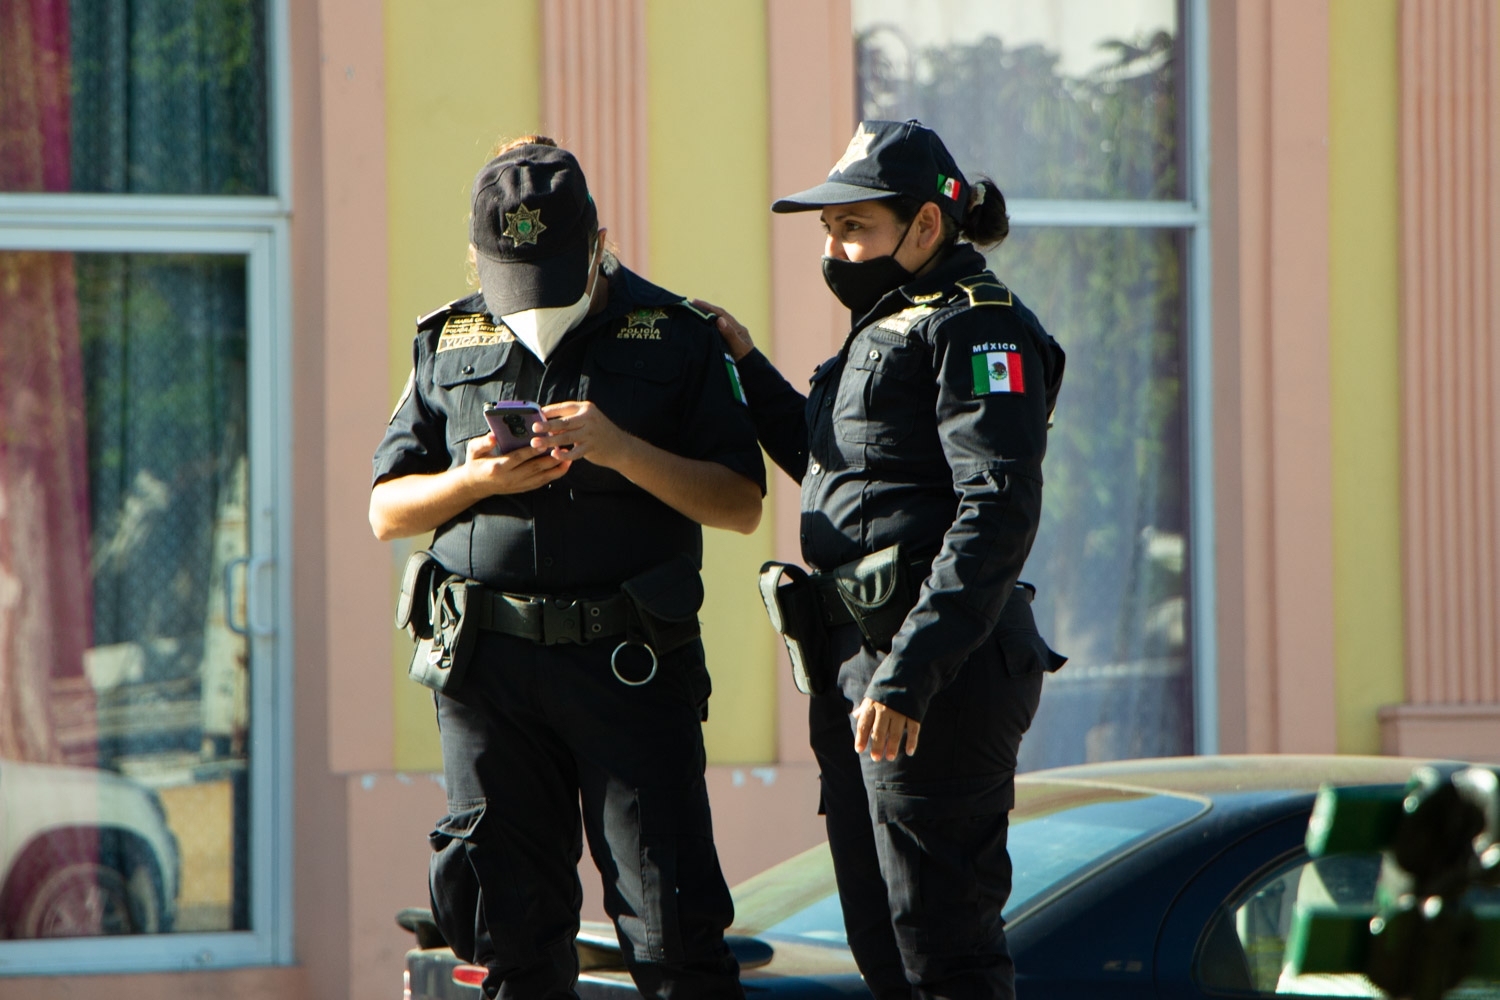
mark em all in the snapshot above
pixel 1110 557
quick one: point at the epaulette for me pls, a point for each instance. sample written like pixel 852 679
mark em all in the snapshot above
pixel 702 314
pixel 438 313
pixel 984 289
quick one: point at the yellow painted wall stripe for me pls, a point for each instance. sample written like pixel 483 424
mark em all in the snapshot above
pixel 1364 343
pixel 709 169
pixel 450 94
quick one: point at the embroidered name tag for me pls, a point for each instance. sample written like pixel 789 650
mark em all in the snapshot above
pixel 472 330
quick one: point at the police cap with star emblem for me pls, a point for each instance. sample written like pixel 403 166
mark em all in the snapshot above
pixel 887 160
pixel 531 223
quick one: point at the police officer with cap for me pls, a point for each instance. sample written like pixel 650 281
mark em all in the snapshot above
pixel 558 606
pixel 919 450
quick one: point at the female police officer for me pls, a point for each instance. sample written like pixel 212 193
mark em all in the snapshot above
pixel 575 560
pixel 919 450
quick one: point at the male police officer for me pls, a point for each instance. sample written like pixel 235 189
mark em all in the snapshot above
pixel 564 601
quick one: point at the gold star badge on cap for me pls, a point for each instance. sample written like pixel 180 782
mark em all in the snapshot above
pixel 523 225
pixel 859 148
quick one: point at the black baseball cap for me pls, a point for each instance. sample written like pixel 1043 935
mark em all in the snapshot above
pixel 887 160
pixel 532 216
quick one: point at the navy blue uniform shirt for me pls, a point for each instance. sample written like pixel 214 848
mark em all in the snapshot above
pixel 927 428
pixel 653 364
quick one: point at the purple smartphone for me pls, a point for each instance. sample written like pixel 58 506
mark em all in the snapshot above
pixel 511 421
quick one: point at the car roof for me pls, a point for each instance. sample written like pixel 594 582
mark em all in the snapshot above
pixel 1232 774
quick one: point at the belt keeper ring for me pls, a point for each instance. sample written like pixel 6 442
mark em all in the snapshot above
pixel 621 677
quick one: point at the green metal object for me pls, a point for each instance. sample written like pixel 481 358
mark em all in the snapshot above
pixel 1329 938
pixel 1354 820
pixel 1438 839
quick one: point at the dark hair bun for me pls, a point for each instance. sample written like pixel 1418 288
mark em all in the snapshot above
pixel 986 223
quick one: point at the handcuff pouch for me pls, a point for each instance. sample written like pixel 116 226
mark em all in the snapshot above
pixel 877 590
pixel 793 608
pixel 442 660
pixel 663 604
pixel 416 593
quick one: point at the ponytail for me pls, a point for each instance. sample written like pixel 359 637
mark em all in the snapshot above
pixel 986 223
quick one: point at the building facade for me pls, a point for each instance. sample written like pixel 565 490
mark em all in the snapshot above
pixel 1266 232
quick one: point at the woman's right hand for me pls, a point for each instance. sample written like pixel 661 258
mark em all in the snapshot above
pixel 736 338
pixel 518 471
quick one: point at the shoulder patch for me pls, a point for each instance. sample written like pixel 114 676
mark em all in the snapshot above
pixel 986 290
pixel 702 314
pixel 902 321
pixel 472 330
pixel 997 369
pixel 411 381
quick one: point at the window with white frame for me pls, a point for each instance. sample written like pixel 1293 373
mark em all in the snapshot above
pixel 1090 116
pixel 143 471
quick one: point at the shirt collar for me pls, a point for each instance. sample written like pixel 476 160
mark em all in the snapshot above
pixel 958 261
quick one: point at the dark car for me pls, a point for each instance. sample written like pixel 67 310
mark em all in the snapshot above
pixel 1166 878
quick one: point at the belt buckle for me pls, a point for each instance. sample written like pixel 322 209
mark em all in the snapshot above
pixel 562 621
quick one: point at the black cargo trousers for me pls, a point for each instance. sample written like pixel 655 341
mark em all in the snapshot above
pixel 919 843
pixel 539 728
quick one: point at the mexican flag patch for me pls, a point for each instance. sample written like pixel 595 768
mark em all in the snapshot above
pixel 997 371
pixel 734 380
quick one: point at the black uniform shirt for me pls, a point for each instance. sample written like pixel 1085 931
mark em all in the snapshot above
pixel 927 428
pixel 652 363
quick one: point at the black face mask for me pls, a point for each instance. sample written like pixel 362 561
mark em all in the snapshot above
pixel 859 284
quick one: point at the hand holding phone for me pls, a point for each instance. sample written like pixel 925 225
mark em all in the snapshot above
pixel 511 421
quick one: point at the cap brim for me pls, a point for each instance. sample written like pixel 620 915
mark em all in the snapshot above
pixel 828 193
pixel 514 286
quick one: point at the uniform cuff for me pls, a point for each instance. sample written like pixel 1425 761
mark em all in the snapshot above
pixel 911 700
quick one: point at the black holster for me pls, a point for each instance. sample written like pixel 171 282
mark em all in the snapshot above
pixel 874 592
pixel 795 612
pixel 878 593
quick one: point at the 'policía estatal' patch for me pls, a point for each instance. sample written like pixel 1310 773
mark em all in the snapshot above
pixel 472 330
pixel 640 324
pixel 997 368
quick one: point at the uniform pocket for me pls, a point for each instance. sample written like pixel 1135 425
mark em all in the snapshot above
pixel 651 362
pixel 452 881
pixel 880 395
pixel 638 386
pixel 1023 651
pixel 937 799
pixel 690 667
pixel 469 376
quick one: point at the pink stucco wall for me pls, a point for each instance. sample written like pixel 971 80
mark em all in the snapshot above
pixel 1273 484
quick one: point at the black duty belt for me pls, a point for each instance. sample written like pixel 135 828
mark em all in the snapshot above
pixel 551 620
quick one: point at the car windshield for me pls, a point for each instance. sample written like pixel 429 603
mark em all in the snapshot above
pixel 1060 832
